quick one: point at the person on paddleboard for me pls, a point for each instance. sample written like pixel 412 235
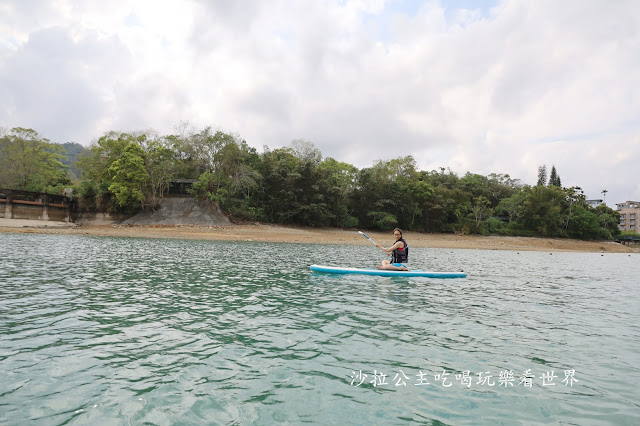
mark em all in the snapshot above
pixel 399 252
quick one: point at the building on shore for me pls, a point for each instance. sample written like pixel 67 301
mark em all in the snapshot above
pixel 18 204
pixel 595 203
pixel 629 216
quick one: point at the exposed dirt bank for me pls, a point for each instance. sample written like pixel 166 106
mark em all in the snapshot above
pixel 273 233
pixel 181 211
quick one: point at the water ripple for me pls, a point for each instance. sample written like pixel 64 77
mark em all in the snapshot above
pixel 102 330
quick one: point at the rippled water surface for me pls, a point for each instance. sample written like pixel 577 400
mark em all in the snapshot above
pixel 128 331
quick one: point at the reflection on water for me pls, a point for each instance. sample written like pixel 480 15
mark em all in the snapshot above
pixel 105 330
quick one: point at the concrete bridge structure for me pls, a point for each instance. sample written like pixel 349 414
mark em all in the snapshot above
pixel 17 204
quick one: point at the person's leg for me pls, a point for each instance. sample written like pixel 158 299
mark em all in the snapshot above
pixel 397 267
pixel 385 264
pixel 390 266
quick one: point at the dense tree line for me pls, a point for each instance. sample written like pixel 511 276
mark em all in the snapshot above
pixel 31 163
pixel 125 172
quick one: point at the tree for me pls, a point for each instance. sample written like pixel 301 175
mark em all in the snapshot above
pixel 512 206
pixel 501 186
pixel 604 196
pixel 243 181
pixel 30 162
pixel 542 211
pixel 418 195
pixel 197 152
pixel 378 200
pixel 95 164
pixel 574 198
pixel 480 208
pixel 338 183
pixel 554 178
pixel 239 181
pixel 584 224
pixel 281 171
pixel 159 164
pixel 609 219
pixel 129 178
pixel 542 175
pixel 306 151
pixel 476 185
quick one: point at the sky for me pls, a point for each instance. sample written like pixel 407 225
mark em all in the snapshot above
pixel 485 86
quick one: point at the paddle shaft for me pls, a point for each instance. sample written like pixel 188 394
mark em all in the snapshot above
pixel 367 237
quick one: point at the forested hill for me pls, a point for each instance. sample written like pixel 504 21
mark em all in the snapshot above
pixel 124 172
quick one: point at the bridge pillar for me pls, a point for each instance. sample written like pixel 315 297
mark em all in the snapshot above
pixel 8 210
pixel 45 207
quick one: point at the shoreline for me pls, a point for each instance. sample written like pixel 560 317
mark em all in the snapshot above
pixel 290 234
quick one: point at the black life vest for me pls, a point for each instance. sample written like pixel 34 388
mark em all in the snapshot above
pixel 401 255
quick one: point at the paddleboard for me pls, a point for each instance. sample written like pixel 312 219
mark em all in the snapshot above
pixel 386 273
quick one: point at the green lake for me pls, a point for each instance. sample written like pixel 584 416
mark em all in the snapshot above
pixel 149 331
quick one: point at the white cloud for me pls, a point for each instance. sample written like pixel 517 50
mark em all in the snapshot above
pixel 482 90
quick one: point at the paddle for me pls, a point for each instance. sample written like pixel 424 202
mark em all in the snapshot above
pixel 367 237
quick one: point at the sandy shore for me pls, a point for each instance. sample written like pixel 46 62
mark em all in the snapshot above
pixel 274 233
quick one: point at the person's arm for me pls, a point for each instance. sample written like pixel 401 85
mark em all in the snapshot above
pixel 389 250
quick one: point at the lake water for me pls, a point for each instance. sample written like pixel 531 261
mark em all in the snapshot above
pixel 132 331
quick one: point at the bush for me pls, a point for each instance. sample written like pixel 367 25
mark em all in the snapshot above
pixel 383 220
pixel 250 214
pixel 204 187
pixel 351 222
pixel 493 225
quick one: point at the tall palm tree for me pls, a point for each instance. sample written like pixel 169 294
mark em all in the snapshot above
pixel 604 196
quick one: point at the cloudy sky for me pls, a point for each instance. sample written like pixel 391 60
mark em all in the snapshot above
pixel 482 86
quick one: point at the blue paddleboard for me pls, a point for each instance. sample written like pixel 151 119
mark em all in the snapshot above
pixel 386 273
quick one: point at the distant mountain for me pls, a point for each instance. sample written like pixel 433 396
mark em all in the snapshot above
pixel 73 150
